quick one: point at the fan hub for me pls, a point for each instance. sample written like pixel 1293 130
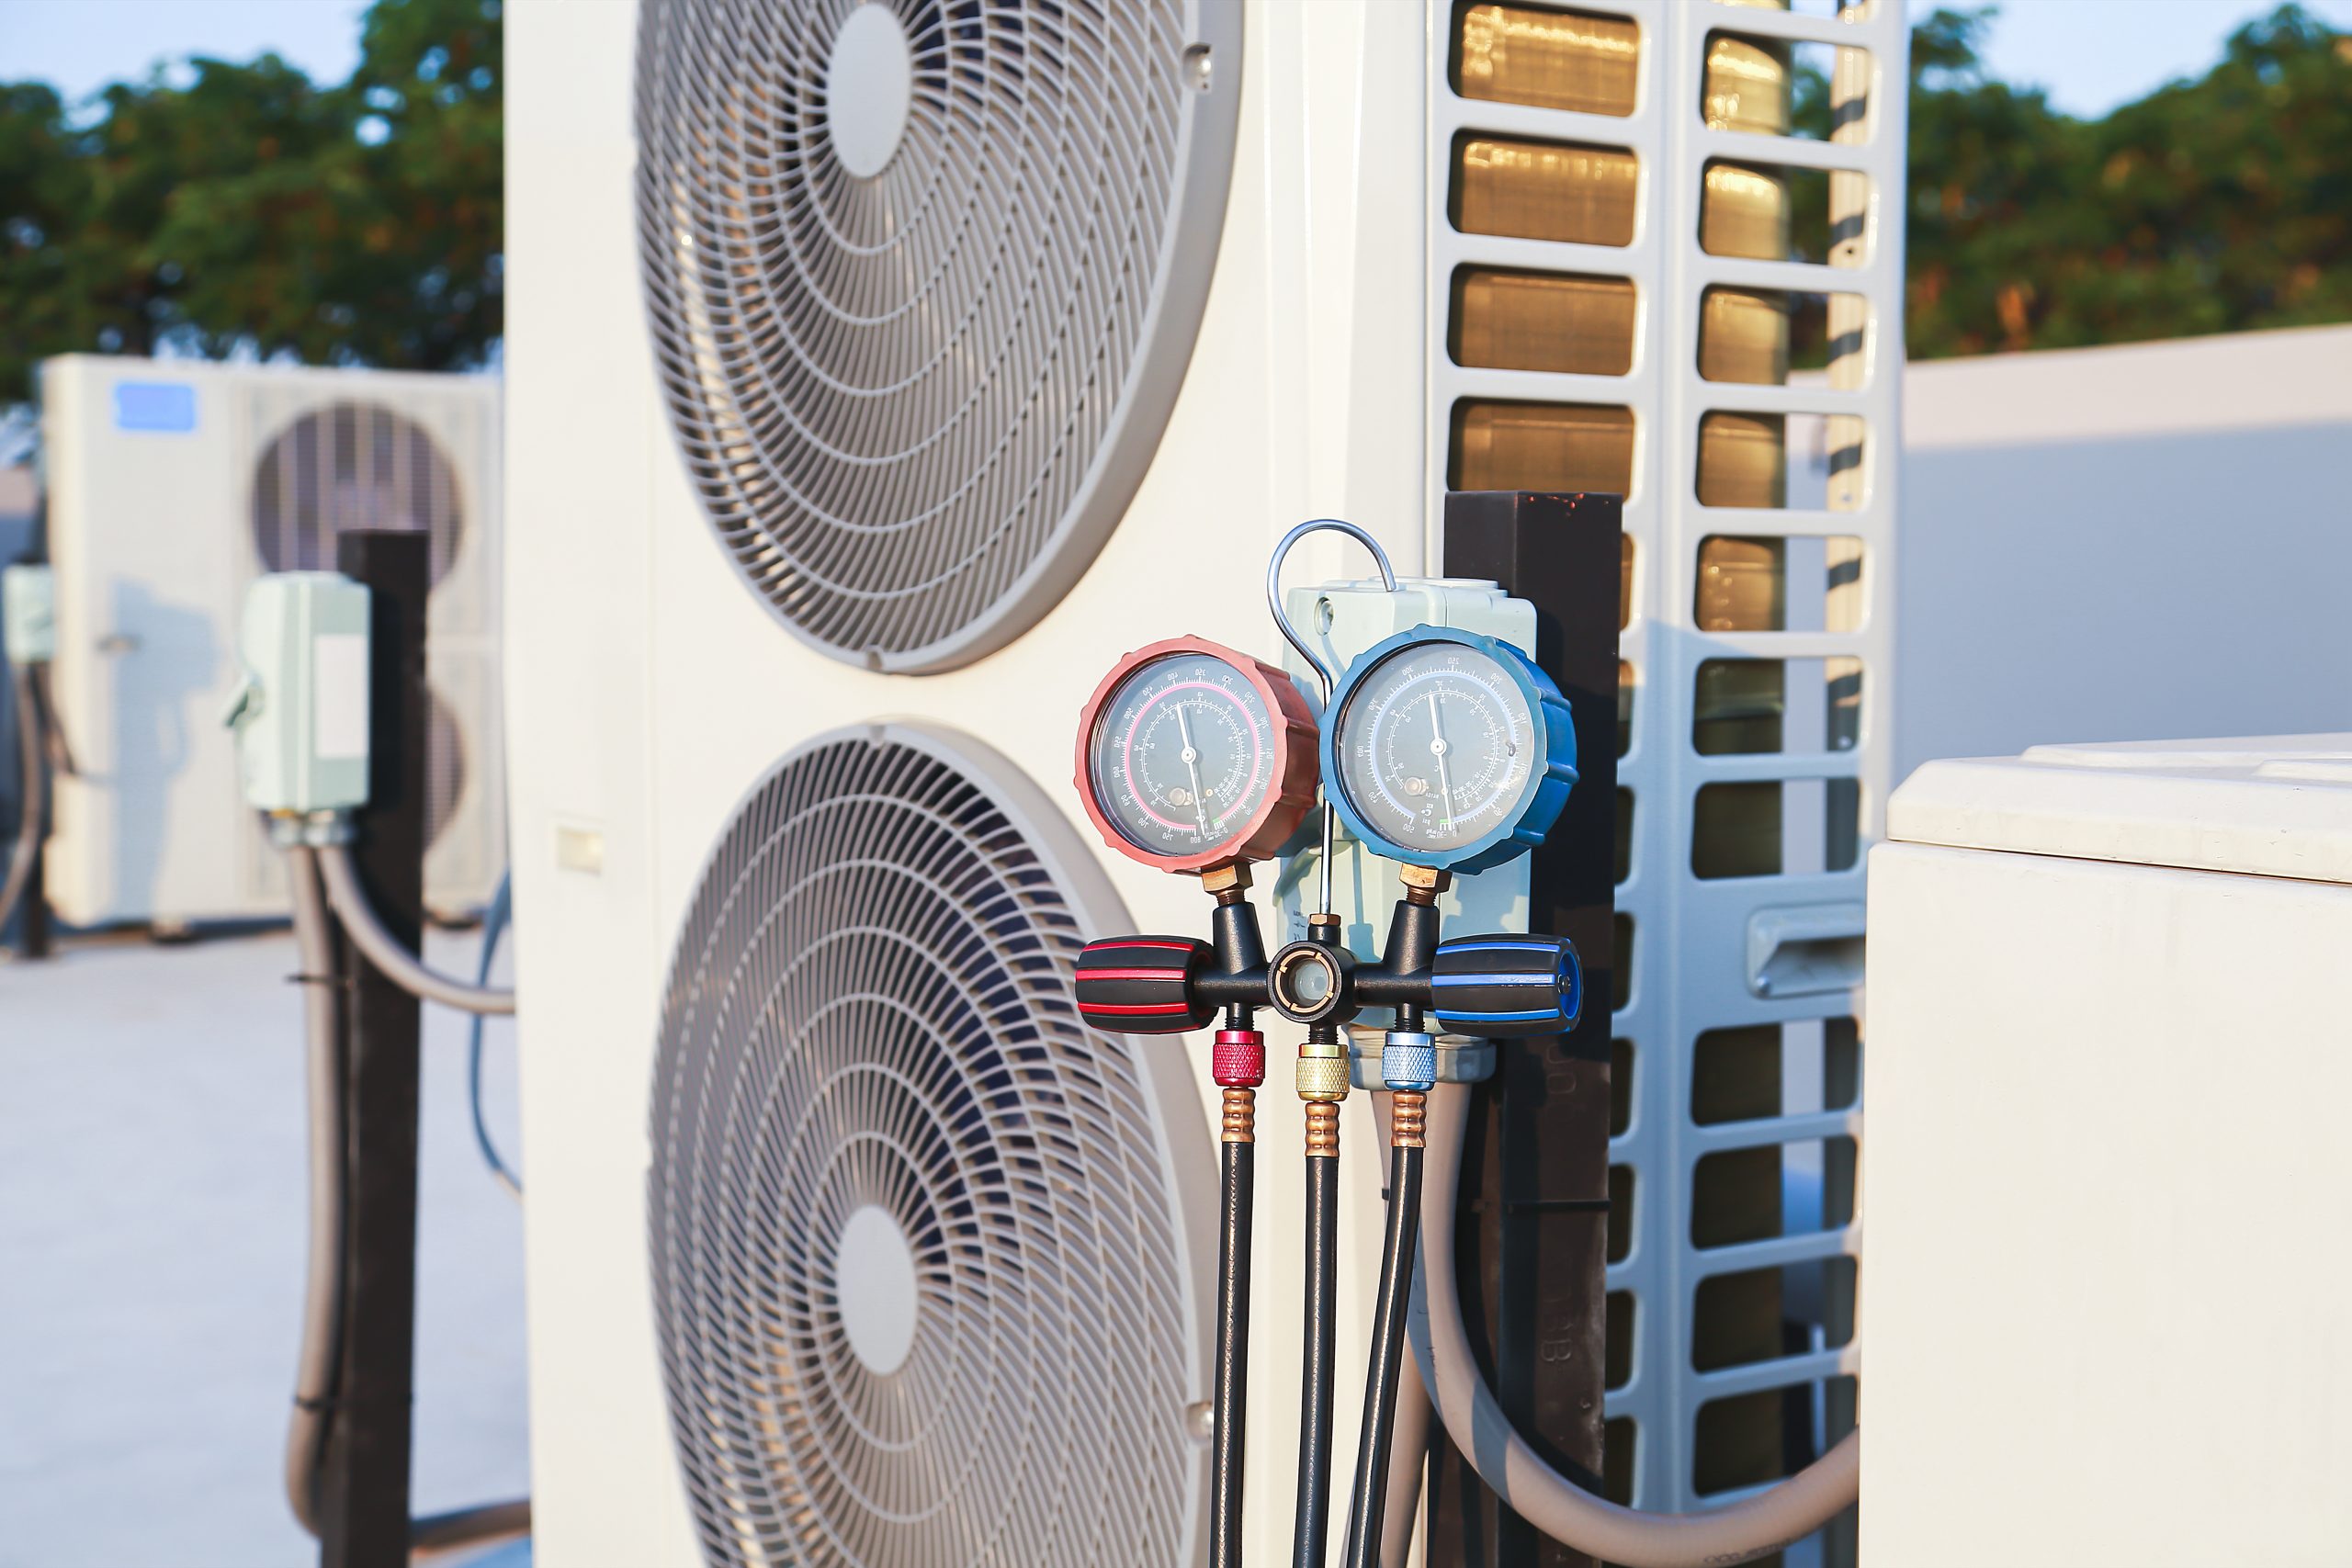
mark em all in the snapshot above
pixel 869 88
pixel 874 1281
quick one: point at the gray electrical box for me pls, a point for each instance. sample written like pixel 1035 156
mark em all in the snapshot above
pixel 29 614
pixel 300 708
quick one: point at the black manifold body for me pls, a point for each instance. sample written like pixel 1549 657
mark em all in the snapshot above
pixel 1491 987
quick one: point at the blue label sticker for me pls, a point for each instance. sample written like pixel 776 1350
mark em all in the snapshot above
pixel 166 406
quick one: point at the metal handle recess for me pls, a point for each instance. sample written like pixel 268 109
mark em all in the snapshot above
pixel 1503 985
pixel 1144 984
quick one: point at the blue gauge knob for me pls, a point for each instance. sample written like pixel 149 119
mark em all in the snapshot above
pixel 1448 748
pixel 1504 986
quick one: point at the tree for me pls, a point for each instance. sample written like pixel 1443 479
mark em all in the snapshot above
pixel 252 211
pixel 2219 205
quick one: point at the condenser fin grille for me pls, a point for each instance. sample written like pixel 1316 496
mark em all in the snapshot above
pixel 922 1277
pixel 915 397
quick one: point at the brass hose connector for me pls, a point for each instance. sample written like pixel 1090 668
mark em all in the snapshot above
pixel 1322 1129
pixel 1423 883
pixel 1406 1119
pixel 1240 1117
pixel 1322 1072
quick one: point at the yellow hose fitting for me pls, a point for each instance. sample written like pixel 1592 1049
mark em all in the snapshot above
pixel 1322 1072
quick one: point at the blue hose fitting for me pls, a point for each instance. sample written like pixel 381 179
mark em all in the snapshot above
pixel 1408 1060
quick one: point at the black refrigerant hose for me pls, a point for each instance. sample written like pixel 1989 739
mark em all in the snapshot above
pixel 1314 1516
pixel 1232 1351
pixel 1367 1506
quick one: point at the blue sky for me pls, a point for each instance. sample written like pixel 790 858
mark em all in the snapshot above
pixel 2090 54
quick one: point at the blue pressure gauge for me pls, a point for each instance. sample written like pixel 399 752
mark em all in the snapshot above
pixel 1448 748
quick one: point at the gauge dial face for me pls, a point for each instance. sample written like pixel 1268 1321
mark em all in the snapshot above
pixel 1434 747
pixel 1182 755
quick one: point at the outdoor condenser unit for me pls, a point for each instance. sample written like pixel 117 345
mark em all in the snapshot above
pixel 2107 1171
pixel 172 485
pixel 881 373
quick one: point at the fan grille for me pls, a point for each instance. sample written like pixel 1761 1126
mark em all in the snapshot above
pixel 870 1008
pixel 914 404
pixel 347 466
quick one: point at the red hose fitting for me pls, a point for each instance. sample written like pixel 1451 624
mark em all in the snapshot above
pixel 1239 1058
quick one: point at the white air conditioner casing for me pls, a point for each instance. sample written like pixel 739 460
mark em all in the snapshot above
pixel 172 485
pixel 651 690
pixel 2107 1000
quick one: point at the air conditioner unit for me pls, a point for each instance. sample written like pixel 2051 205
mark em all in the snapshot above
pixel 880 374
pixel 172 485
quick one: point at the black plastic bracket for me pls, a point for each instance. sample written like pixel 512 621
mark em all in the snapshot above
pixel 1535 1183
pixel 364 1504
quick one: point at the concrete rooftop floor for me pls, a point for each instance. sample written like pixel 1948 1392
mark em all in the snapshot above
pixel 152 1178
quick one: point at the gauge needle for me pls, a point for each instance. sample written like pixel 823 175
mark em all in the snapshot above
pixel 1193 766
pixel 1437 750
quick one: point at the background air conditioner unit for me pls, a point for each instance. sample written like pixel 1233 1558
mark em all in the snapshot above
pixel 986 344
pixel 173 484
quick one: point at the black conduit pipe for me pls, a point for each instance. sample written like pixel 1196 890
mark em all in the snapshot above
pixel 33 804
pixel 1368 1505
pixel 1312 1524
pixel 1232 1354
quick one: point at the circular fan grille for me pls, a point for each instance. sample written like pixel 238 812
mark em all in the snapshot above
pixel 444 769
pixel 915 402
pixel 870 1056
pixel 351 465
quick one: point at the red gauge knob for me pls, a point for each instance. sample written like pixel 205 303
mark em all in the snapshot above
pixel 1192 756
pixel 1143 985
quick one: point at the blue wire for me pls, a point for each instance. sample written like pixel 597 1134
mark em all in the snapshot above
pixel 494 926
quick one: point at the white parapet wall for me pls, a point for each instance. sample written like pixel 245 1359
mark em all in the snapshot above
pixel 2123 543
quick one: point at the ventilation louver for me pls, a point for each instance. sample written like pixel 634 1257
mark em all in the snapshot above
pixel 351 465
pixel 923 1246
pixel 922 278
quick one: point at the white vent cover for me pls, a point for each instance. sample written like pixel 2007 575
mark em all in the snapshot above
pixel 919 339
pixel 871 1073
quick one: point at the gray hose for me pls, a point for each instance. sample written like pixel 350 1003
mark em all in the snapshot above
pixel 1518 1474
pixel 321 1354
pixel 318 1366
pixel 384 951
pixel 26 848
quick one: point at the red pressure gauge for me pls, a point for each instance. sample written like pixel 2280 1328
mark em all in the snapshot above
pixel 1192 756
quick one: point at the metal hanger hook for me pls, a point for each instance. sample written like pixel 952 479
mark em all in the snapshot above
pixel 1275 588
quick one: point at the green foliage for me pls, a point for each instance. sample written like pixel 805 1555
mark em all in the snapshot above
pixel 252 211
pixel 2219 205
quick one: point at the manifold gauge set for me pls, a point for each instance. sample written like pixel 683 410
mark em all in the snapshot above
pixel 1443 750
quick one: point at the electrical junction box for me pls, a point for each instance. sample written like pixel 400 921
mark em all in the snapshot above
pixel 1340 621
pixel 29 614
pixel 300 708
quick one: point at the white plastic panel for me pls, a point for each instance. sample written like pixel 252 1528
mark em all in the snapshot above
pixel 2106 1168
